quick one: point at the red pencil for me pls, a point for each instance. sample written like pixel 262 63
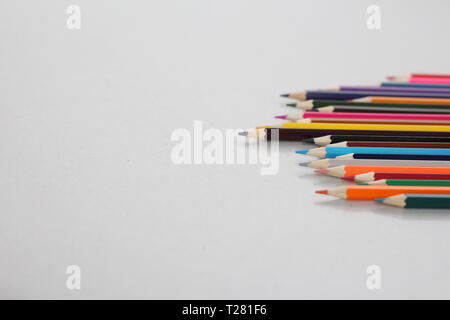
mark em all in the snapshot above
pixel 373 176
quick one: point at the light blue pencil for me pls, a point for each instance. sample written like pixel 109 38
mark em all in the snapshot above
pixel 333 152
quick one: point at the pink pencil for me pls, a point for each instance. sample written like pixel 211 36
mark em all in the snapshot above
pixel 390 116
pixel 422 78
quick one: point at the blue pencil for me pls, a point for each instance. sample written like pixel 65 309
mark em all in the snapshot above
pixel 414 85
pixel 332 152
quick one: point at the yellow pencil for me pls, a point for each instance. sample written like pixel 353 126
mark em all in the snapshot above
pixel 358 126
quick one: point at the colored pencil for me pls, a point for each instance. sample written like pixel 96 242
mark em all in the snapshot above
pixel 327 163
pixel 391 99
pixel 301 134
pixel 315 104
pixel 358 192
pixel 378 116
pixel 413 85
pixel 385 109
pixel 373 176
pixel 393 144
pixel 359 126
pixel 367 116
pixel 394 89
pixel 426 157
pixel 375 121
pixel 329 139
pixel 345 171
pixel 421 78
pixel 333 152
pixel 408 182
pixel 417 201
pixel 349 95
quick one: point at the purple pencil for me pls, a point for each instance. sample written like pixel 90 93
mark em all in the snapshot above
pixel 395 89
pixel 337 94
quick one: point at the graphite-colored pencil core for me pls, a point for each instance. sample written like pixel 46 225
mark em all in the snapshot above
pixel 311 140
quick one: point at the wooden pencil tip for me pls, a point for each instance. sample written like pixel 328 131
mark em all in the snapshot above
pixel 243 133
pixel 281 117
pixel 323 171
pixel 322 191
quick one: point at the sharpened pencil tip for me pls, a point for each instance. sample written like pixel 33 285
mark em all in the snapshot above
pixel 380 200
pixel 303 164
pixel 323 171
pixel 350 178
pixel 322 191
pixel 285 95
pixel 291 105
pixel 302 151
pixel 281 117
pixel 308 140
pixel 243 133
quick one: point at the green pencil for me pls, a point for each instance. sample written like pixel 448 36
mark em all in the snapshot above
pixel 424 201
pixel 314 104
pixel 404 182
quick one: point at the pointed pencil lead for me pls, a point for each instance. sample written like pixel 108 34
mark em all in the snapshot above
pixel 281 117
pixel 310 140
pixel 322 191
pixel 380 200
pixel 291 105
pixel 243 133
pixel 349 178
pixel 303 164
pixel 323 171
pixel 302 151
pixel 285 95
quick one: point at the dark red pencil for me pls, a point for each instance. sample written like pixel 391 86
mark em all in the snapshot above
pixel 373 176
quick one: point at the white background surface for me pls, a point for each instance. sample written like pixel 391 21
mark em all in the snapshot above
pixel 85 170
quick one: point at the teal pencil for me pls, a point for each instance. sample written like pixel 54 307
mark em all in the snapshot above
pixel 418 201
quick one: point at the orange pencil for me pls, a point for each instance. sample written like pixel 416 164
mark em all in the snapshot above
pixel 358 192
pixel 403 100
pixel 346 171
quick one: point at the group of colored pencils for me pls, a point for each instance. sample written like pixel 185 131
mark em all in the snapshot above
pixel 392 139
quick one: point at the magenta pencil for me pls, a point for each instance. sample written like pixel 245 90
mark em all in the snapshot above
pixel 422 78
pixel 387 116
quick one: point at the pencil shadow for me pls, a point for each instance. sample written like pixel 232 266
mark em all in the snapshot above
pixel 386 211
pixel 413 214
